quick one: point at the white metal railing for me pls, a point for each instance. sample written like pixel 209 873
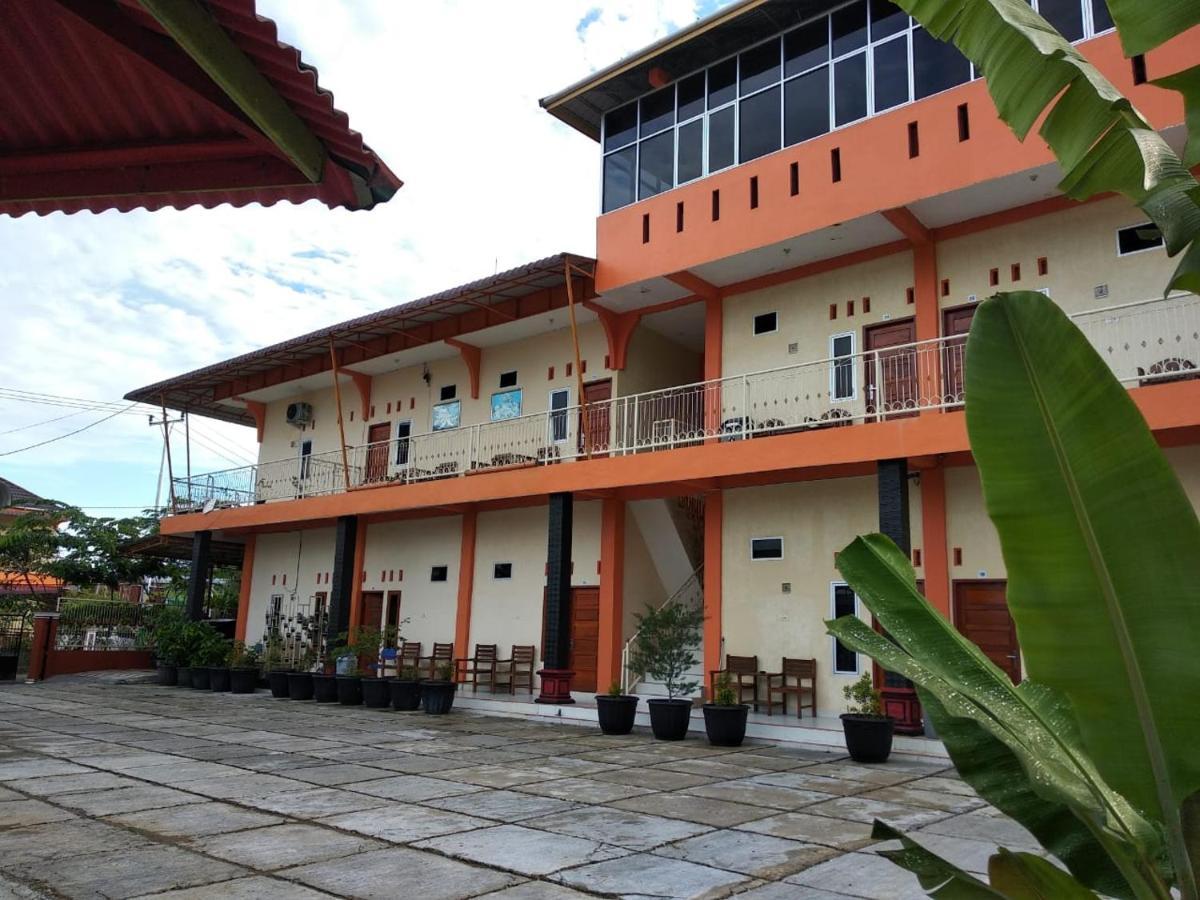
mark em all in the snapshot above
pixel 1143 342
pixel 690 593
pixel 87 623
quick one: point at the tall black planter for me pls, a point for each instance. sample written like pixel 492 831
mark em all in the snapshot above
pixel 406 695
pixel 376 693
pixel 218 679
pixel 168 674
pixel 325 688
pixel 616 714
pixel 200 678
pixel 243 681
pixel 725 725
pixel 349 690
pixel 437 697
pixel 278 682
pixel 300 685
pixel 669 718
pixel 183 676
pixel 868 738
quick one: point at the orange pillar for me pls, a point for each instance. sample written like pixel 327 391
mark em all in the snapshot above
pixel 45 627
pixel 713 338
pixel 714 518
pixel 612 591
pixel 356 586
pixel 933 536
pixel 466 585
pixel 929 324
pixel 243 610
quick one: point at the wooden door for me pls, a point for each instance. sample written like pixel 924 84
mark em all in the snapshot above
pixel 891 365
pixel 393 618
pixel 585 637
pixel 981 614
pixel 956 323
pixel 378 440
pixel 372 609
pixel 595 418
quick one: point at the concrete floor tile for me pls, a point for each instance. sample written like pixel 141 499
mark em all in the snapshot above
pixel 782 891
pixel 412 788
pixel 755 794
pixel 376 876
pixel 31 845
pixel 281 846
pixel 244 784
pixel 702 810
pixel 837 833
pixel 402 824
pixel 502 806
pixel 862 875
pixel 415 764
pixel 757 855
pixel 194 820
pixel 538 890
pixel 37 767
pixel 336 774
pixel 804 780
pixel 496 776
pixel 524 851
pixel 654 779
pixel 907 795
pixel 255 887
pixel 130 760
pixel 982 827
pixel 583 790
pixel 624 828
pixel 125 799
pixel 965 853
pixel 644 875
pixel 68 784
pixel 713 768
pixel 314 803
pixel 943 784
pixel 20 813
pixel 860 809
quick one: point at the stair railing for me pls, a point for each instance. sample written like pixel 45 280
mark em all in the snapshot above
pixel 691 592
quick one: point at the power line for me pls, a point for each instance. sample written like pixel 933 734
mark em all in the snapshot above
pixel 68 434
pixel 43 422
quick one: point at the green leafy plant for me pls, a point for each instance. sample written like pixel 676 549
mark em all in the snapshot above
pixel 206 645
pixel 408 673
pixel 614 689
pixel 665 645
pixel 445 671
pixel 273 656
pixel 242 657
pixel 166 632
pixel 861 697
pixel 723 692
pixel 1096 752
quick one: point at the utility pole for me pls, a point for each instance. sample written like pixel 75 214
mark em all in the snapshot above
pixel 165 424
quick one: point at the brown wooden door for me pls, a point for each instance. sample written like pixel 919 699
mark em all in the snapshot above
pixel 585 637
pixel 594 418
pixel 956 323
pixel 981 614
pixel 372 609
pixel 891 375
pixel 378 440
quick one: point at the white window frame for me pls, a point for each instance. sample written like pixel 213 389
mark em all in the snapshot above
pixel 833 642
pixel 754 320
pixel 551 412
pixel 408 438
pixel 502 562
pixel 767 537
pixel 833 361
pixel 1117 240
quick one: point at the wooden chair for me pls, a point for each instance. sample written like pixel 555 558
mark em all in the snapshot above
pixel 743 674
pixel 801 670
pixel 473 669
pixel 409 656
pixel 518 669
pixel 388 665
pixel 442 653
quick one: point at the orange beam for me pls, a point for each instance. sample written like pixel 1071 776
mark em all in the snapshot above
pixel 259 411
pixel 818 267
pixel 612 592
pixel 243 610
pixel 356 591
pixel 696 285
pixel 933 539
pixel 472 356
pixel 466 585
pixel 714 518
pixel 905 221
pixel 362 382
pixel 618 328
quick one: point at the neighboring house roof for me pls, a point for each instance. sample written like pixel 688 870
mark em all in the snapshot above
pixel 14 583
pixel 19 496
pixel 127 104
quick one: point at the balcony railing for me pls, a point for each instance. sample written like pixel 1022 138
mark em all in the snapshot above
pixel 1143 342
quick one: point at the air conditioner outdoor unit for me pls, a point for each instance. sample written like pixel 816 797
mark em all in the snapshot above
pixel 299 414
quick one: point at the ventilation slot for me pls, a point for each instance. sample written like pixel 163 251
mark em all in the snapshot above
pixel 1015 271
pixel 1139 69
pixel 679 216
pixel 1043 266
pixel 945 287
pixel 914 140
pixel 964 123
pixel 716 206
pixel 754 192
pixel 910 296
pixel 993 277
pixel 835 164
pixel 794 178
pixel 645 228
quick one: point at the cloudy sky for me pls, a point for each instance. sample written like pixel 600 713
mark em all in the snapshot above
pixel 446 92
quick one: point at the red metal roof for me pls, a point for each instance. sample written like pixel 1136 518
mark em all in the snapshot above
pixel 104 110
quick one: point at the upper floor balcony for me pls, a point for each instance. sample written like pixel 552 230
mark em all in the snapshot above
pixel 1146 342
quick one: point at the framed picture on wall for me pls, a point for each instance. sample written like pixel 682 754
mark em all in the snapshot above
pixel 506 404
pixel 447 415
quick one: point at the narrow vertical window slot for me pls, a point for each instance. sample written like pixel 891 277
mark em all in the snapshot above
pixel 993 277
pixel 645 228
pixel 835 163
pixel 1139 69
pixel 754 192
pixel 914 140
pixel 679 216
pixel 794 178
pixel 964 123
pixel 716 205
pixel 1015 271
pixel 1043 266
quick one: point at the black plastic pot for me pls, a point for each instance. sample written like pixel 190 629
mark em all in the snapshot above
pixel 406 695
pixel 616 714
pixel 300 685
pixel 218 679
pixel 278 682
pixel 168 674
pixel 669 718
pixel 8 666
pixel 726 725
pixel 437 697
pixel 325 688
pixel 868 738
pixel 243 681
pixel 183 676
pixel 200 678
pixel 376 693
pixel 349 690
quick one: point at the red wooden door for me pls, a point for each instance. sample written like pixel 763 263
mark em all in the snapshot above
pixel 955 325
pixel 595 417
pixel 378 441
pixel 891 376
pixel 372 609
pixel 585 637
pixel 981 614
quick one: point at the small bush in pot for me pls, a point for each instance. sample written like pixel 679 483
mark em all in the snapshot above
pixel 725 718
pixel 437 694
pixel 300 681
pixel 405 690
pixel 208 649
pixel 243 665
pixel 664 649
pixel 616 710
pixel 868 731
pixel 276 669
pixel 349 677
pixel 167 638
pixel 365 643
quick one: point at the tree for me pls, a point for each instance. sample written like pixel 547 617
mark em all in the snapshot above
pixel 91 550
pixel 29 547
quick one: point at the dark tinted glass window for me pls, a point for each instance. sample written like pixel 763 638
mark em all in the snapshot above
pixel 508 379
pixel 559 401
pixel 844 659
pixel 448 392
pixel 720 139
pixel 656 165
pixel 936 66
pixel 843 367
pixel 806 47
pixel 806 106
pixel 849 26
pixel 437 573
pixel 691 97
pixel 759 67
pixel 1065 15
pixel 502 570
pixel 658 110
pixel 850 89
pixel 618 178
pixel 766 548
pixel 722 83
pixel 620 127
pixel 1138 237
pixel 765 323
pixel 691 151
pixel 891 73
pixel 886 18
pixel 403 430
pixel 1101 18
pixel 758 127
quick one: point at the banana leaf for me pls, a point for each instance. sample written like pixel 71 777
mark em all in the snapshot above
pixel 1023 876
pixel 1144 25
pixel 941 878
pixel 1187 83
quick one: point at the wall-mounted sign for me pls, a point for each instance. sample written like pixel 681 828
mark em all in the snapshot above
pixel 506 404
pixel 447 415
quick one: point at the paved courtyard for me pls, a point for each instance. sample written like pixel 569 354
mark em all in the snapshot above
pixel 136 790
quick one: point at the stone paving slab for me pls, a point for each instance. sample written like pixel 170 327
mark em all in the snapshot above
pixel 380 874
pixel 633 830
pixel 194 820
pixel 747 853
pixel 254 887
pixel 405 824
pixel 522 850
pixel 280 846
pixel 645 875
pixel 503 806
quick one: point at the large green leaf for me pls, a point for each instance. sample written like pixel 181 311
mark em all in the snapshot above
pixel 941 878
pixel 1023 876
pixel 1187 83
pixel 1101 545
pixel 1144 24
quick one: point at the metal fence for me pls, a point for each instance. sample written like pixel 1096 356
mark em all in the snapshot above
pixel 93 624
pixel 16 633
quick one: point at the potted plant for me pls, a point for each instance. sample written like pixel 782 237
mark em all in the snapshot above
pixel 665 649
pixel 437 694
pixel 615 710
pixel 325 681
pixel 365 643
pixel 188 640
pixel 208 650
pixel 725 718
pixel 868 731
pixel 243 665
pixel 275 666
pixel 300 680
pixel 348 678
pixel 405 690
pixel 167 637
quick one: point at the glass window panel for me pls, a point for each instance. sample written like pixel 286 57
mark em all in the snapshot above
pixel 849 26
pixel 722 83
pixel 620 127
pixel 691 151
pixel 891 73
pixel 850 89
pixel 843 367
pixel 766 548
pixel 758 125
pixel 618 178
pixel 720 139
pixel 691 97
pixel 759 67
pixel 937 66
pixel 844 659
pixel 886 19
pixel 1101 17
pixel 806 47
pixel 559 400
pixel 806 106
pixel 658 111
pixel 1065 15
pixel 656 165
pixel 1138 237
